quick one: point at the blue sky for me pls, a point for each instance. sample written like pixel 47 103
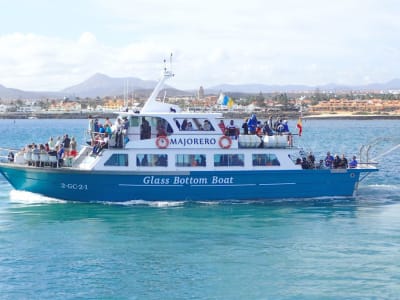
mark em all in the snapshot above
pixel 50 45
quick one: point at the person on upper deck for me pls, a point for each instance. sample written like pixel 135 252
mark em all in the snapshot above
pixel 245 126
pixel 252 124
pixel 267 130
pixel 221 125
pixel 232 130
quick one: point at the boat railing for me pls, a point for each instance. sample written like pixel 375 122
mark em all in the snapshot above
pixel 366 150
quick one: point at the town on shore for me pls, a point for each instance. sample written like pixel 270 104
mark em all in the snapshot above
pixel 236 105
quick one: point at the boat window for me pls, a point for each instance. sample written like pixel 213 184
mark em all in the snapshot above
pixel 163 127
pixel 190 160
pixel 222 160
pixel 152 160
pixel 193 124
pixel 265 160
pixel 134 121
pixel 117 159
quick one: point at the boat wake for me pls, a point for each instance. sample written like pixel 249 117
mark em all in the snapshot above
pixel 379 193
pixel 23 197
pixel 366 194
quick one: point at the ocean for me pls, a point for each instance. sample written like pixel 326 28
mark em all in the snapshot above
pixel 346 248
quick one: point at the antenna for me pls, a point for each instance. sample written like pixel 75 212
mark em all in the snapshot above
pixel 170 62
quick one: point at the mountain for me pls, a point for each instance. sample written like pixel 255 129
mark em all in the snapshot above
pixel 15 94
pixel 102 85
pixel 264 88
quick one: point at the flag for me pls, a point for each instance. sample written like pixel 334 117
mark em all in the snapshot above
pixel 230 102
pixel 225 100
pixel 300 126
pixel 221 98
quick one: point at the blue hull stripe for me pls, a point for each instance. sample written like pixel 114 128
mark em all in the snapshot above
pixel 86 186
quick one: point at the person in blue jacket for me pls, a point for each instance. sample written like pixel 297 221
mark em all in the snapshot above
pixel 252 124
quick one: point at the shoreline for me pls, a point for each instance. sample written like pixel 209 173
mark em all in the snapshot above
pixel 287 115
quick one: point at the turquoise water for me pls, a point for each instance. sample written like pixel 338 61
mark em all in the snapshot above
pixel 284 249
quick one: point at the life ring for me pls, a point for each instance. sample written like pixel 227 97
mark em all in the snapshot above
pixel 225 142
pixel 162 142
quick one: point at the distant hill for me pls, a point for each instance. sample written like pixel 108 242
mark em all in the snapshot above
pixel 10 93
pixel 264 88
pixel 101 85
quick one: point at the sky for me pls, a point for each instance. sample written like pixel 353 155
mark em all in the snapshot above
pixel 53 44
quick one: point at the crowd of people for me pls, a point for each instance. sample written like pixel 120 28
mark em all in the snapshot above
pixel 330 162
pixel 255 127
pixel 55 152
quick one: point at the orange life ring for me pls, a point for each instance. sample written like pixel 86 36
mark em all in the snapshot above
pixel 162 142
pixel 223 144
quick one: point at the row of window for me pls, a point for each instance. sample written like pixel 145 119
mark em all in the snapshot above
pixel 192 160
pixel 160 124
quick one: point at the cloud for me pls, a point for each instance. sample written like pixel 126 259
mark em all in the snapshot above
pixel 272 42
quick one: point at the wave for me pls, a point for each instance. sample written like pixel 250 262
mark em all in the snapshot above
pixel 23 197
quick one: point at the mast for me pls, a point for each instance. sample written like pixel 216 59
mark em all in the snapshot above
pixel 152 104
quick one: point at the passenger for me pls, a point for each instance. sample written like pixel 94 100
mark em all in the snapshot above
pixel 353 163
pixel 47 147
pixel 245 126
pixel 66 142
pixel 126 125
pixel 161 131
pixel 285 126
pixel 60 155
pixel 206 125
pixel 107 122
pixel 311 160
pixel 177 124
pixel 145 130
pixel 270 122
pixel 343 162
pixel 267 129
pixel 280 127
pixel 73 145
pixel 51 143
pixel 221 125
pixel 232 130
pixel 320 165
pixel 259 131
pixel 58 142
pixel 96 125
pixel 11 156
pixel 36 152
pixel 305 164
pixel 108 130
pixel 184 124
pixel 298 161
pixel 90 126
pixel 252 124
pixel 337 162
pixel 328 160
pixel 145 161
pixel 189 126
pixel 118 133
pixel 101 129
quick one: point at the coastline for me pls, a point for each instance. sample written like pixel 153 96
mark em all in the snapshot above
pixel 235 115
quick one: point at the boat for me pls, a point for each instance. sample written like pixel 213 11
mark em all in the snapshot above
pixel 162 153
